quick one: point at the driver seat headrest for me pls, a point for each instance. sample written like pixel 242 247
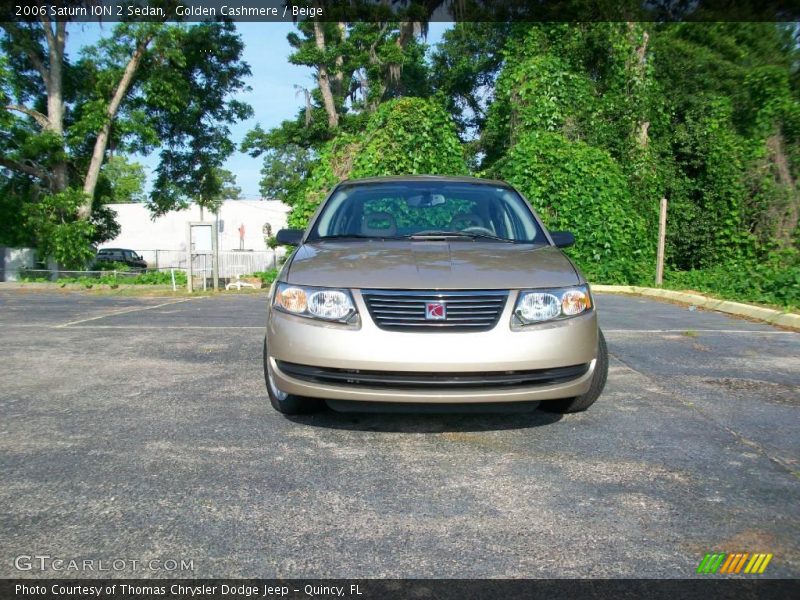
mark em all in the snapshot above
pixel 379 224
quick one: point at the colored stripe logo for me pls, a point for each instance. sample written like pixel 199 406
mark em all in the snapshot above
pixel 733 562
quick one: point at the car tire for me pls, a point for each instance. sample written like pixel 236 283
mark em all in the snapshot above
pixel 584 401
pixel 288 404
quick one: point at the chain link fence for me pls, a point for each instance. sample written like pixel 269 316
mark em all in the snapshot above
pixel 232 264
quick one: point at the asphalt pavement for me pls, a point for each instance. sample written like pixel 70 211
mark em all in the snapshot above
pixel 138 429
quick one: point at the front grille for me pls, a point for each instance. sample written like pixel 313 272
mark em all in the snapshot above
pixel 438 381
pixel 404 310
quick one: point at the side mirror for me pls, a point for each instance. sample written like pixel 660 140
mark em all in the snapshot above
pixel 289 237
pixel 562 239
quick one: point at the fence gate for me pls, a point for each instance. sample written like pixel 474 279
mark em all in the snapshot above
pixel 201 241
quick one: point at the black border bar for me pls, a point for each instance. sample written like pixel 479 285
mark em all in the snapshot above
pixel 420 589
pixel 410 10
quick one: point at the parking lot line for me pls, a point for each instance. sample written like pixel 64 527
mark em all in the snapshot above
pixel 122 312
pixel 684 330
pixel 226 327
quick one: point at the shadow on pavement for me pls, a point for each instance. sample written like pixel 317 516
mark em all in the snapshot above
pixel 406 422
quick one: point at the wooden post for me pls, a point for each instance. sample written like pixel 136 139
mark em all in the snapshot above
pixel 662 236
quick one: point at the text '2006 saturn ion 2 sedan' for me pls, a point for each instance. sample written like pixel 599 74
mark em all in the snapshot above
pixel 428 293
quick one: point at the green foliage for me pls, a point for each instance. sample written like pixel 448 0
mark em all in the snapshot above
pixel 367 63
pixel 576 187
pixel 463 70
pixel 181 97
pixel 121 181
pixel 228 188
pixel 775 280
pixel 110 265
pixel 191 98
pixel 733 141
pixel 267 276
pixel 284 172
pixel 59 233
pixel 410 136
pixel 107 277
pixel 157 278
pixel 407 136
pixel 708 193
pixel 334 164
pixel 706 114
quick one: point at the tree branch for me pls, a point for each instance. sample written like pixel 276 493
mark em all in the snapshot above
pixel 323 80
pixel 48 32
pixel 14 32
pixel 34 114
pixel 21 167
pixel 100 144
pixel 37 62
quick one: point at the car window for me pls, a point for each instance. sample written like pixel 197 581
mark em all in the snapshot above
pixel 410 208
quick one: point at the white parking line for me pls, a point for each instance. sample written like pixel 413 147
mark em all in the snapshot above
pixel 122 312
pixel 225 327
pixel 692 330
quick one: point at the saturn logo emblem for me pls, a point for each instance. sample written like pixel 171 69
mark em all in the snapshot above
pixel 435 311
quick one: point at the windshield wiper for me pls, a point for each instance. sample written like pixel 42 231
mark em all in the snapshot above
pixel 421 235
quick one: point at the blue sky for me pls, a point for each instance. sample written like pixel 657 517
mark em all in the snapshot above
pixel 273 95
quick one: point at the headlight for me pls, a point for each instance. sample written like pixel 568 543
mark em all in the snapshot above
pixel 316 303
pixel 536 306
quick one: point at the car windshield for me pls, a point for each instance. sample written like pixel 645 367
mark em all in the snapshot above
pixel 427 210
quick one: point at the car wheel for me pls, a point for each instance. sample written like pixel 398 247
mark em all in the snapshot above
pixel 288 404
pixel 584 401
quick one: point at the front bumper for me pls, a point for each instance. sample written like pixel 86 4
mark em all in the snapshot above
pixel 365 347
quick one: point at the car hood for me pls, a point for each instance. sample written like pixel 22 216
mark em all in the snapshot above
pixel 430 265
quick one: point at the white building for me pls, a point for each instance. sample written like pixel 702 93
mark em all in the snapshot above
pixel 168 232
pixel 243 225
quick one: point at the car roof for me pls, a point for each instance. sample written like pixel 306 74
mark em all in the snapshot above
pixel 425 178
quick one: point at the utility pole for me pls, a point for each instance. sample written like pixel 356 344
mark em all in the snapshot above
pixel 662 236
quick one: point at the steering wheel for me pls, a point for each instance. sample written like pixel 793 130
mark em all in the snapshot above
pixel 478 229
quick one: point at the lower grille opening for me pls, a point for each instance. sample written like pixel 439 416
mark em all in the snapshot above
pixel 427 380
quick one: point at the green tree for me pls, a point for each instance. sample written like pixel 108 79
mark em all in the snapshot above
pixel 406 136
pixel 121 181
pixel 464 66
pixel 146 85
pixel 284 172
pixel 357 67
pixel 223 187
pixel 580 188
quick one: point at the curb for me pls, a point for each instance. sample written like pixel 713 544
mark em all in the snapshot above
pixel 761 313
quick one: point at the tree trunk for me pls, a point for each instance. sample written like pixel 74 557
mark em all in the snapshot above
pixel 51 72
pixel 323 80
pixel 640 74
pixel 781 216
pixel 99 151
pixel 56 40
pixel 338 76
